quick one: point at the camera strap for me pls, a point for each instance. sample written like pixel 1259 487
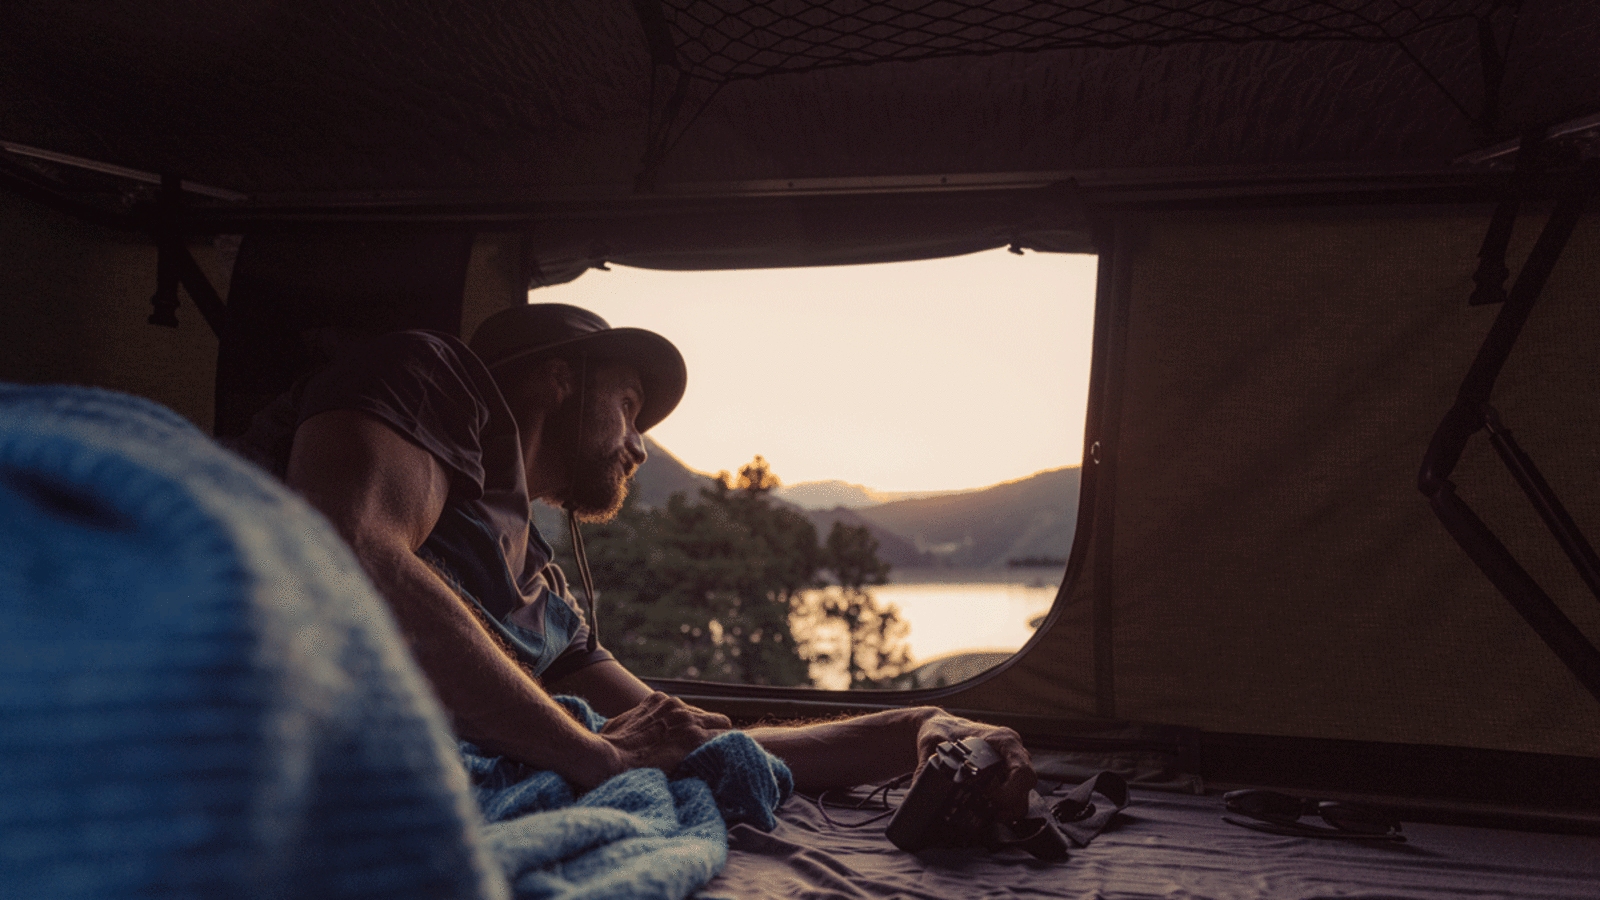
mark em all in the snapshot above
pixel 1088 808
pixel 1084 812
pixel 1037 834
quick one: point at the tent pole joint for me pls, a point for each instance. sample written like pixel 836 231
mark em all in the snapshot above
pixel 169 246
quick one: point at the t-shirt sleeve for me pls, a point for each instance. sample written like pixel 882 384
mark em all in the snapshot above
pixel 427 387
pixel 576 654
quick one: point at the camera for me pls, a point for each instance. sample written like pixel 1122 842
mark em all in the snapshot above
pixel 952 801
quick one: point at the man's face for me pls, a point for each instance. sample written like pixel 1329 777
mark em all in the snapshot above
pixel 593 439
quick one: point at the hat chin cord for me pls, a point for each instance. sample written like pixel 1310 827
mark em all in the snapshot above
pixel 579 554
pixel 584 576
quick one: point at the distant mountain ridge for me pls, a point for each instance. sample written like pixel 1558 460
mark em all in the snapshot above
pixel 1030 518
pixel 834 494
pixel 663 475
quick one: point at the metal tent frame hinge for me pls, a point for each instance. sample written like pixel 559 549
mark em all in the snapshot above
pixel 176 266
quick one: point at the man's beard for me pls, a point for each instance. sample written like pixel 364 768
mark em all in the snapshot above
pixel 597 484
pixel 594 482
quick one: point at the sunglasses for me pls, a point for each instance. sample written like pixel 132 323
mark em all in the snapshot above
pixel 1277 813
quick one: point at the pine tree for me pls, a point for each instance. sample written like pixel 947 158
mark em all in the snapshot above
pixel 873 647
pixel 712 588
pixel 705 588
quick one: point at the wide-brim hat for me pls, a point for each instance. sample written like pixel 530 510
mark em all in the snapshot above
pixel 521 335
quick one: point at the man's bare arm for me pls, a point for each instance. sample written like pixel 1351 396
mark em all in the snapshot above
pixel 880 746
pixel 606 685
pixel 849 751
pixel 384 495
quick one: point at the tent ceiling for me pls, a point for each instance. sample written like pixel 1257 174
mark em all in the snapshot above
pixel 546 101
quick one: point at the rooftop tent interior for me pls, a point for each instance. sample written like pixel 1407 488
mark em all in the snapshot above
pixel 1296 206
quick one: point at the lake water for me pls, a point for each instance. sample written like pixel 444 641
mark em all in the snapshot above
pixel 968 610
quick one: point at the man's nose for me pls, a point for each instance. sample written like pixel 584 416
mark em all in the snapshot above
pixel 635 446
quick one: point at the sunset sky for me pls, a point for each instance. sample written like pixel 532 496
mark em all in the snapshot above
pixel 942 375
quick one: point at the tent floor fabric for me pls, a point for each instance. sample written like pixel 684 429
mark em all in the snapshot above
pixel 1162 845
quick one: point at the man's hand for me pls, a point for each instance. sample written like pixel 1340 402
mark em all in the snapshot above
pixel 658 733
pixel 1012 797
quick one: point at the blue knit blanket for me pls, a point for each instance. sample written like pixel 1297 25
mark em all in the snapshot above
pixel 201 695
pixel 639 835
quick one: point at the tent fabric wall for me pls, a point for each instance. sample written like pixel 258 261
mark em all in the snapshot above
pixel 76 299
pixel 1261 558
pixel 288 286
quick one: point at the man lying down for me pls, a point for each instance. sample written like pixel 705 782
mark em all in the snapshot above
pixel 426 453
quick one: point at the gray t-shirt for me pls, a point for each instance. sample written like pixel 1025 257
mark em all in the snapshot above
pixel 432 390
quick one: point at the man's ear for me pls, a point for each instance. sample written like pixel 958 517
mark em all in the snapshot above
pixel 545 384
pixel 561 378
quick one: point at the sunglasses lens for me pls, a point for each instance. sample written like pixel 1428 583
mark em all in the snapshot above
pixel 1356 819
pixel 1070 810
pixel 1263 804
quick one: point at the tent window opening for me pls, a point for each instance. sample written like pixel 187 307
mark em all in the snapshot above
pixel 871 482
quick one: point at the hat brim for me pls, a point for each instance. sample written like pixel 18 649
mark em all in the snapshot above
pixel 661 368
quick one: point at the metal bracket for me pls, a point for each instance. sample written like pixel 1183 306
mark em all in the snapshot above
pixel 176 266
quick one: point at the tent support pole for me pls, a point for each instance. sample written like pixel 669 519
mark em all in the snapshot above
pixel 1518 587
pixel 1544 499
pixel 1472 413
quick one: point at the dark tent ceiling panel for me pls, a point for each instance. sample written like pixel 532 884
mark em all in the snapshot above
pixel 580 99
pixel 304 96
pixel 1092 85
